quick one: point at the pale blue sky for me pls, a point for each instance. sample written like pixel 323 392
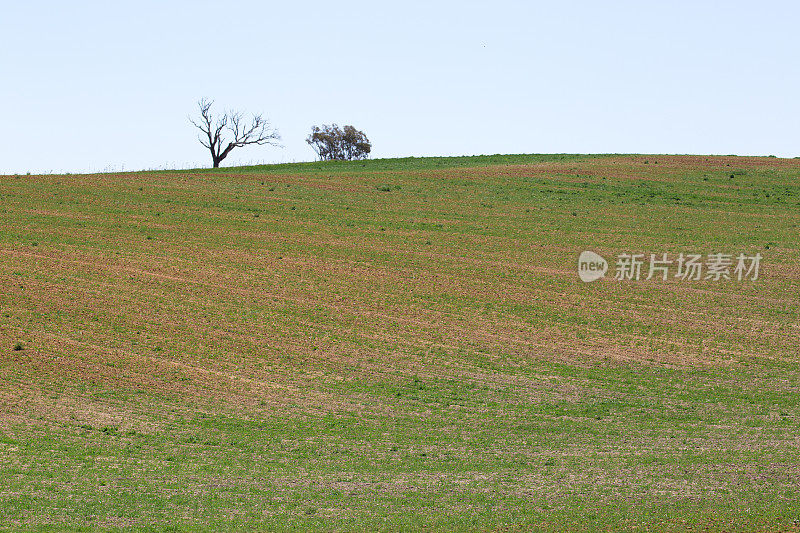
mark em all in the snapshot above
pixel 87 86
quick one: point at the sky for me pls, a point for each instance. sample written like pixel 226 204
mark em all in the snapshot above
pixel 107 86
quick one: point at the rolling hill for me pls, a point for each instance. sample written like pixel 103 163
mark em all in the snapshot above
pixel 397 344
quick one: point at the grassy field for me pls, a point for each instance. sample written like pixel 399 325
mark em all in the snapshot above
pixel 398 345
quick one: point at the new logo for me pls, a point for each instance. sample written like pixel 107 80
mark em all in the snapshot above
pixel 591 266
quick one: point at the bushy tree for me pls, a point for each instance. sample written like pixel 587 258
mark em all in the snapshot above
pixel 343 144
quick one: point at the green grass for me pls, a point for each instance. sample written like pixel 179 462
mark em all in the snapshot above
pixel 399 345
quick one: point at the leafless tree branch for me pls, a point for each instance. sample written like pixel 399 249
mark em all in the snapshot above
pixel 258 131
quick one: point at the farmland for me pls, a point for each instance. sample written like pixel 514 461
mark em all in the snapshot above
pixel 400 344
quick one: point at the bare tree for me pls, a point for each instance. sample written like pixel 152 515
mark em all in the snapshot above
pixel 257 131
